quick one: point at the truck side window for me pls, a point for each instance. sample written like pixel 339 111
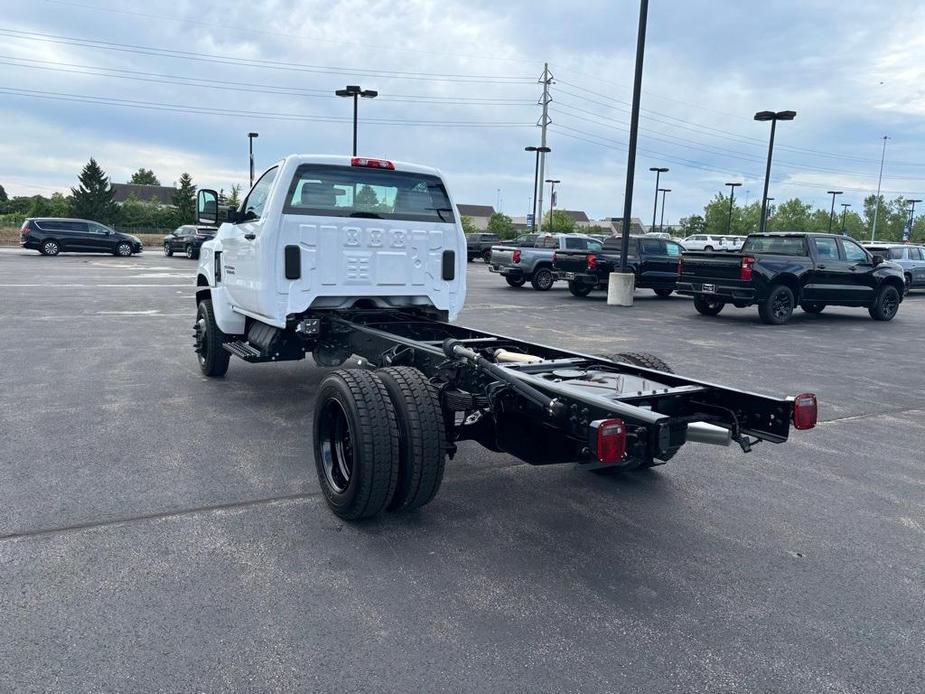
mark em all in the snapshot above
pixel 915 254
pixel 576 244
pixel 826 249
pixel 672 249
pixel 257 198
pixel 854 252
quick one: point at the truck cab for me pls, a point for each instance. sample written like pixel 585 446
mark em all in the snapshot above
pixel 331 232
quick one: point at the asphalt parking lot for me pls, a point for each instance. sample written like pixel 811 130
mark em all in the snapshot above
pixel 164 532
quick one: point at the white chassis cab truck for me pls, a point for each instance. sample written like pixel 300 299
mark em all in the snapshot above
pixel 351 256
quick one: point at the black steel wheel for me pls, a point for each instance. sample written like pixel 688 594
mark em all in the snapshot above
pixel 812 307
pixel 515 282
pixel 421 436
pixel 123 249
pixel 486 255
pixel 708 307
pixel 212 356
pixel 778 307
pixel 168 251
pixel 542 279
pixel 886 303
pixel 50 248
pixel 356 443
pixel 579 288
pixel 663 292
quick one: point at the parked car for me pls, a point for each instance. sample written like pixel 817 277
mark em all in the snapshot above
pixel 783 270
pixel 654 261
pixel 53 235
pixel 910 258
pixel 187 239
pixel 705 242
pixel 735 243
pixel 518 264
pixel 478 245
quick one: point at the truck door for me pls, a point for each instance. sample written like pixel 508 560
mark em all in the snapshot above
pixel 859 279
pixel 917 260
pixel 241 247
pixel 830 273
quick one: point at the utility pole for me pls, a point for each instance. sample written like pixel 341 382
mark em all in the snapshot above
pixel 543 123
pixel 873 232
pixel 661 224
pixel 659 170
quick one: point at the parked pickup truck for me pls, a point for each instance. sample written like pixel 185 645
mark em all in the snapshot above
pixel 517 263
pixel 654 261
pixel 782 270
pixel 478 245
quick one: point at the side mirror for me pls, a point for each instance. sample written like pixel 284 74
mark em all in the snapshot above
pixel 877 259
pixel 232 216
pixel 207 207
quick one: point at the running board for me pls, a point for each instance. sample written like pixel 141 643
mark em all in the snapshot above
pixel 242 349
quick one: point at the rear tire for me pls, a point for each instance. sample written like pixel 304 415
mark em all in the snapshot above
pixel 519 282
pixel 421 436
pixel 50 248
pixel 486 255
pixel 356 443
pixel 886 304
pixel 708 307
pixel 542 279
pixel 708 249
pixel 579 288
pixel 908 283
pixel 644 359
pixel 812 307
pixel 778 307
pixel 663 293
pixel 212 356
pixel 190 253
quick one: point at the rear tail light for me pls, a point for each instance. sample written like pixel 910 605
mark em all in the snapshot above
pixel 25 228
pixel 680 267
pixel 745 271
pixel 372 163
pixel 592 261
pixel 516 256
pixel 805 411
pixel 610 440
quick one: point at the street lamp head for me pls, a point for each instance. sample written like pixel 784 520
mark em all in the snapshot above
pixel 834 192
pixel 664 190
pixel 369 93
pixel 252 134
pixel 349 90
pixel 785 115
pixel 764 115
pixel 659 169
pixel 913 201
pixel 733 185
pixel 531 148
pixel 553 180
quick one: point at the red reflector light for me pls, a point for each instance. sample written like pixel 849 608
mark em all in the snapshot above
pixel 680 267
pixel 592 261
pixel 745 272
pixel 611 440
pixel 515 256
pixel 372 163
pixel 805 411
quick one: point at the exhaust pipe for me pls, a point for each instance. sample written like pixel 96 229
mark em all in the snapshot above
pixel 701 432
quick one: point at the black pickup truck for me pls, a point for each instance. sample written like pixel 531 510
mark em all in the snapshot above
pixel 478 245
pixel 782 270
pixel 653 260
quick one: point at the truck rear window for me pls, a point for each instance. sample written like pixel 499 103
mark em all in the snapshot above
pixel 775 245
pixel 353 191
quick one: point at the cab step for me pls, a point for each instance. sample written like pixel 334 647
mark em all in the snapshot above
pixel 248 353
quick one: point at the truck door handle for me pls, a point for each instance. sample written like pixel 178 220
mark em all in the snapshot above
pixel 250 236
pixel 820 267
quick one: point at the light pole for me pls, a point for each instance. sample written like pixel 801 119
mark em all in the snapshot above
pixel 659 170
pixel 732 195
pixel 552 198
pixel 772 116
pixel 661 223
pixel 844 214
pixel 536 176
pixel 353 90
pixel 873 231
pixel 833 193
pixel 250 148
pixel 908 236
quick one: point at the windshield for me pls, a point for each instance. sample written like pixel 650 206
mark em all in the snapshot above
pixel 354 191
pixel 775 245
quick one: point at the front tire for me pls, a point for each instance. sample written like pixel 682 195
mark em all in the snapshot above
pixel 778 307
pixel 886 304
pixel 213 357
pixel 663 293
pixel 515 282
pixel 356 443
pixel 421 436
pixel 579 288
pixel 542 279
pixel 123 250
pixel 168 251
pixel 708 307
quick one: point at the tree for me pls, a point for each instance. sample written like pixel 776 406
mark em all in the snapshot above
pixel 3 197
pixel 558 222
pixel 185 199
pixel 145 177
pixel 234 199
pixel 366 198
pixel 694 224
pixel 792 215
pixel 468 225
pixel 502 225
pixel 92 199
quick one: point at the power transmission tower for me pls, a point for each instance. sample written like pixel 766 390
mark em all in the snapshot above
pixel 544 121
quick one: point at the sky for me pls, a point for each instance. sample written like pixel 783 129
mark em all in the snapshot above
pixel 176 86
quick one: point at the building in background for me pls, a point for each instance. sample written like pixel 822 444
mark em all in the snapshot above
pixel 479 214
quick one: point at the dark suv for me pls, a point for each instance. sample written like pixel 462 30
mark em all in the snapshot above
pixel 187 239
pixel 52 235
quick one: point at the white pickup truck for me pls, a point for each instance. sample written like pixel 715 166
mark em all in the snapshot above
pixel 342 257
